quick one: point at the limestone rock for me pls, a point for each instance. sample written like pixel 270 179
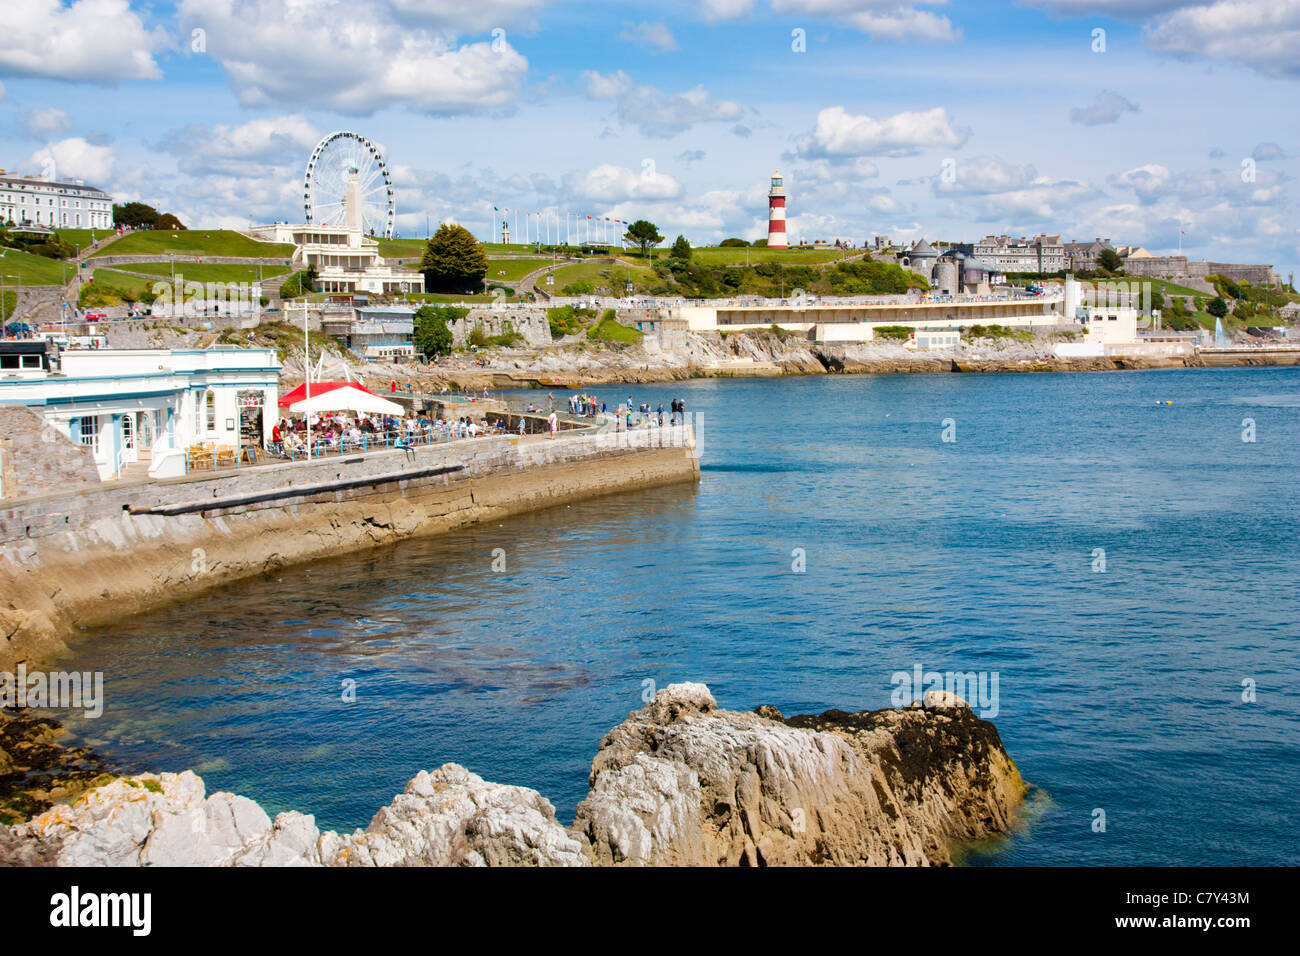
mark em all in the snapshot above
pixel 680 782
pixel 452 817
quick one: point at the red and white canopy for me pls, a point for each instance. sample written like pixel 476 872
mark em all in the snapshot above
pixel 338 397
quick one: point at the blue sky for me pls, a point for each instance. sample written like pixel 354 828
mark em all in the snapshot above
pixel 944 120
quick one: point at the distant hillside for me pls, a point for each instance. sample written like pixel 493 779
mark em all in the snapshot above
pixel 194 242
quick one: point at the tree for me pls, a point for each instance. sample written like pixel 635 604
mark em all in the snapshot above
pixel 681 248
pixel 1110 260
pixel 453 261
pixel 1217 307
pixel 733 243
pixel 644 235
pixel 168 221
pixel 432 336
pixel 135 214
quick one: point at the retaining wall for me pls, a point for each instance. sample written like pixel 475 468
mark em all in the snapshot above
pixel 75 559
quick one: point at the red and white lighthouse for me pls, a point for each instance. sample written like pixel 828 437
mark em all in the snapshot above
pixel 776 214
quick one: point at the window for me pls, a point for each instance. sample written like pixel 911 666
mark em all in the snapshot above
pixel 210 403
pixel 90 433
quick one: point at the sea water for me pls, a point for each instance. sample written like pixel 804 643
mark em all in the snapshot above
pixel 1116 551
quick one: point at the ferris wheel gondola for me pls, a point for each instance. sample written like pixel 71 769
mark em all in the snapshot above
pixel 333 162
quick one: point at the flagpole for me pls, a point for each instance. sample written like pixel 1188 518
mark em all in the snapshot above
pixel 306 372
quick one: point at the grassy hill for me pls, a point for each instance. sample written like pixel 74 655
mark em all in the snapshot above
pixel 194 242
pixel 34 270
pixel 114 288
pixel 205 272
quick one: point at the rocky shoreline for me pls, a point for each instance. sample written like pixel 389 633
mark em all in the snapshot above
pixel 37 771
pixel 679 782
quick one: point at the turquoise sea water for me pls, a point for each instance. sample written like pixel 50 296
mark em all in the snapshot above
pixel 1118 690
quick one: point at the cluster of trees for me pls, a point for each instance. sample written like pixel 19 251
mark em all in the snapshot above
pixel 136 215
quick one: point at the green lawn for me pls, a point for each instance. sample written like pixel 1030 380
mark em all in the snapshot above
pixel 8 303
pixel 195 242
pixel 610 330
pixel 34 270
pixel 81 237
pixel 514 269
pixel 408 249
pixel 594 274
pixel 118 285
pixel 204 272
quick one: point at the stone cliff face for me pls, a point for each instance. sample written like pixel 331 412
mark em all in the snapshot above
pixel 680 782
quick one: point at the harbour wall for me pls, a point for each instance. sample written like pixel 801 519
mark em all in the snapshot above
pixel 92 555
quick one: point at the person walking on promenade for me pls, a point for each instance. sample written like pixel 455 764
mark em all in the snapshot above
pixel 521 427
pixel 553 423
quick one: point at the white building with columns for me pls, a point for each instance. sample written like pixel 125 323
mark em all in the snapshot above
pixel 53 203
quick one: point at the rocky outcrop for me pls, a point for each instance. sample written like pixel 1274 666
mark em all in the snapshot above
pixel 680 782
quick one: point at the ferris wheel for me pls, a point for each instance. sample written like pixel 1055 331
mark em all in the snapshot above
pixel 329 172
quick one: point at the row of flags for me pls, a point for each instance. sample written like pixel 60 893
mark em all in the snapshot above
pixel 549 226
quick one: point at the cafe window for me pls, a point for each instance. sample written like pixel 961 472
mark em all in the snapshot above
pixel 90 433
pixel 210 406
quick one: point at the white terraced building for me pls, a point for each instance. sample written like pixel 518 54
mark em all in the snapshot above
pixel 54 203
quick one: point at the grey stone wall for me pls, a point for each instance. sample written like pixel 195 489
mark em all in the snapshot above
pixel 67 511
pixel 530 323
pixel 37 459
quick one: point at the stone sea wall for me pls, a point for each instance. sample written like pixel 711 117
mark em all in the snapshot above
pixel 94 554
pixel 680 782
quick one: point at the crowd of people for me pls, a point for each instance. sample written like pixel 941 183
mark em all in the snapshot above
pixel 340 432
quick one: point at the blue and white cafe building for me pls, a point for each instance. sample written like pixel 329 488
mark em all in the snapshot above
pixel 142 410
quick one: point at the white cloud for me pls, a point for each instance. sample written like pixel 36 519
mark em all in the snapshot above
pixel 1148 182
pixel 614 184
pixel 2 93
pixel 840 133
pixel 75 159
pixel 1266 151
pixel 43 124
pixel 654 113
pixel 259 148
pixel 1154 184
pixel 727 9
pixel 1106 108
pixel 350 58
pixel 887 19
pixel 985 175
pixel 655 37
pixel 1263 34
pixel 455 16
pixel 95 41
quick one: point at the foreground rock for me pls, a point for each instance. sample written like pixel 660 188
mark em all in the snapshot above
pixel 680 782
pixel 683 783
